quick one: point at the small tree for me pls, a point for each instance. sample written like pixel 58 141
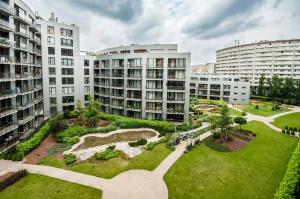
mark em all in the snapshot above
pixel 260 89
pixel 79 107
pixel 225 121
pixel 240 121
pixel 91 111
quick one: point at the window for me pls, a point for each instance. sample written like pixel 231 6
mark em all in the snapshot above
pixel 87 89
pixel 66 42
pixel 52 100
pixel 51 71
pixel 52 81
pixel 66 52
pixel 51 50
pixel 67 71
pixel 86 63
pixel 86 80
pixel 51 40
pixel 53 110
pixel 68 99
pixel 68 90
pixel 51 60
pixel 52 91
pixel 50 30
pixel 67 80
pixel 86 72
pixel 66 32
pixel 67 62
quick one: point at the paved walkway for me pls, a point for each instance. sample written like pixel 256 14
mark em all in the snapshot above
pixel 133 184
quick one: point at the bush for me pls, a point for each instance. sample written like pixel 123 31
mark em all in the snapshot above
pixel 291 178
pixel 291 128
pixel 12 179
pixel 287 132
pixel 244 113
pixel 107 154
pixel 137 143
pixel 69 158
pixel 216 135
pixel 112 147
pixel 151 145
pixel 73 114
pixel 256 106
pixel 292 133
pixel 70 135
pixel 57 123
pixel 282 131
pixel 286 127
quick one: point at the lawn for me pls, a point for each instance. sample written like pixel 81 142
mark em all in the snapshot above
pixel 35 186
pixel 252 172
pixel 234 112
pixel 290 120
pixel 265 108
pixel 148 160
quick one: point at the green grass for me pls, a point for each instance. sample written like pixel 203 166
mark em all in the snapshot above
pixel 290 120
pixel 265 108
pixel 234 112
pixel 148 160
pixel 35 186
pixel 252 172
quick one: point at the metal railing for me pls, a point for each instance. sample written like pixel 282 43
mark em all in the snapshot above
pixel 6 24
pixel 7 75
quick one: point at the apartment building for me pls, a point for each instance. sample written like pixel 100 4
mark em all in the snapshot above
pixel 267 58
pixel 144 81
pixel 87 79
pixel 62 70
pixel 220 87
pixel 203 68
pixel 21 95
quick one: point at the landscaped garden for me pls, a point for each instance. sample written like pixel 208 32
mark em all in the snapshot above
pixel 290 120
pixel 263 108
pixel 252 171
pixel 35 186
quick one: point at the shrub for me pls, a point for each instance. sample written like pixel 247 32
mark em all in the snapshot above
pixel 57 123
pixel 151 145
pixel 295 129
pixel 291 128
pixel 107 154
pixel 112 147
pixel 287 132
pixel 73 114
pixel 12 179
pixel 244 113
pixel 286 127
pixel 256 106
pixel 70 135
pixel 292 133
pixel 282 131
pixel 291 178
pixel 69 158
pixel 216 135
pixel 138 143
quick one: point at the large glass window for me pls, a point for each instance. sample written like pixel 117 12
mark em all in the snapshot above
pixel 50 30
pixel 68 90
pixel 51 50
pixel 67 80
pixel 67 71
pixel 67 62
pixel 66 42
pixel 66 52
pixel 51 60
pixel 51 71
pixel 66 32
pixel 51 40
pixel 52 91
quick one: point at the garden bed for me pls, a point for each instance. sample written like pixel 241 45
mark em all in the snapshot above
pixel 48 147
pixel 81 122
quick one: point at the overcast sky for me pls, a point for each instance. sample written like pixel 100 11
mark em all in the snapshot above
pixel 198 26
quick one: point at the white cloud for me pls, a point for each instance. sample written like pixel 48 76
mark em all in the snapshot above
pixel 198 26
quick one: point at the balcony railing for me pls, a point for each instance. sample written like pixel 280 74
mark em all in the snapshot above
pixel 7 76
pixel 176 88
pixel 6 24
pixel 6 93
pixel 24 75
pixel 5 111
pixel 24 89
pixel 5 6
pixel 7 128
pixel 6 59
pixel 5 41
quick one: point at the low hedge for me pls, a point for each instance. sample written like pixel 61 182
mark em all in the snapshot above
pixel 125 122
pixel 69 158
pixel 291 179
pixel 137 143
pixel 12 179
pixel 150 146
pixel 107 154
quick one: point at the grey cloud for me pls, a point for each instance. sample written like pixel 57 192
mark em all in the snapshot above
pixel 123 10
pixel 226 19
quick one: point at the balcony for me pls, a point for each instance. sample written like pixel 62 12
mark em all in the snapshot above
pixel 21 106
pixel 6 59
pixel 7 128
pixel 38 100
pixel 6 25
pixel 21 32
pixel 24 76
pixel 24 90
pixel 133 108
pixel 5 7
pixel 5 42
pixel 23 120
pixel 9 143
pixel 7 94
pixel 7 77
pixel 181 88
pixel 5 111
pixel 23 18
pixel 175 111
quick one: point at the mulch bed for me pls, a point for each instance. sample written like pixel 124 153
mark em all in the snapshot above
pixel 5 176
pixel 42 151
pixel 79 121
pixel 235 142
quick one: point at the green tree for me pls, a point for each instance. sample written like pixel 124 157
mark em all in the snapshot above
pixel 91 111
pixel 297 90
pixel 240 121
pixel 289 89
pixel 79 107
pixel 261 88
pixel 275 86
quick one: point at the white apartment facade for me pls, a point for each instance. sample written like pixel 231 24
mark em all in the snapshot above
pixel 203 68
pixel 87 79
pixel 144 81
pixel 21 96
pixel 220 87
pixel 62 70
pixel 267 58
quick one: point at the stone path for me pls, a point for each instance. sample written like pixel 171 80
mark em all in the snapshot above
pixel 133 184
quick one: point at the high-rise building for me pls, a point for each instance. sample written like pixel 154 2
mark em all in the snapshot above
pixel 144 81
pixel 21 96
pixel 268 58
pixel 62 71
pixel 87 64
pixel 203 68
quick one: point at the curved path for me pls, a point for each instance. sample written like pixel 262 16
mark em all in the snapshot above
pixel 133 184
